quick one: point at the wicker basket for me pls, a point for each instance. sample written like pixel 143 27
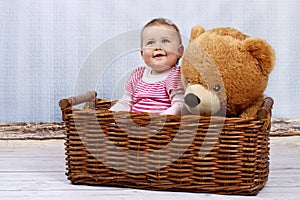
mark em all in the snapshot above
pixel 157 152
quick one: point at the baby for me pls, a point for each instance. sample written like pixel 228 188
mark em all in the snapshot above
pixel 156 87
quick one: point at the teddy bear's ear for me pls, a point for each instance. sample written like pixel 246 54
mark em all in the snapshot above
pixel 196 31
pixel 263 53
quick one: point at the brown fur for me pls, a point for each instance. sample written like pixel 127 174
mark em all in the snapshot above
pixel 240 64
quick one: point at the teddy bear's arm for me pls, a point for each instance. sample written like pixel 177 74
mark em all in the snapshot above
pixel 251 111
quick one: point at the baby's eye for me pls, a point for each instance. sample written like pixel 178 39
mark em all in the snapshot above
pixel 149 43
pixel 165 41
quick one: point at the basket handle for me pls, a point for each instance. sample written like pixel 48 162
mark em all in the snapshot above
pixel 266 108
pixel 73 101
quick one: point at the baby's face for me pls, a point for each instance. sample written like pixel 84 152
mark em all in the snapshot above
pixel 161 47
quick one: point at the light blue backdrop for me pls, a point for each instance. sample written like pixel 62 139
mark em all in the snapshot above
pixel 50 48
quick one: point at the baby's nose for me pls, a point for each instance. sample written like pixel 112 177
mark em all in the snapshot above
pixel 158 46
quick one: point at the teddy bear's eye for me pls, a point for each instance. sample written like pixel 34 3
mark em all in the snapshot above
pixel 217 88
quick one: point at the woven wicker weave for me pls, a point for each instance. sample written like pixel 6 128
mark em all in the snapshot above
pixel 156 152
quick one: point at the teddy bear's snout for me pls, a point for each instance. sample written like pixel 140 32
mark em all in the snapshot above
pixel 192 100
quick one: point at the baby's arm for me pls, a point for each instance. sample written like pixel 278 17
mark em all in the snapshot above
pixel 177 103
pixel 123 104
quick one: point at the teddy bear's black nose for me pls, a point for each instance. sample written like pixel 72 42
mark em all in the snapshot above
pixel 192 100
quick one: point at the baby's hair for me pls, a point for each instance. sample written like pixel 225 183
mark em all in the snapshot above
pixel 166 22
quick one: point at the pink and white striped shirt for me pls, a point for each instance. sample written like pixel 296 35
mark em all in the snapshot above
pixel 153 96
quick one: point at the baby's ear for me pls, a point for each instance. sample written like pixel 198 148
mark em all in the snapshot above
pixel 180 50
pixel 196 31
pixel 141 51
pixel 262 52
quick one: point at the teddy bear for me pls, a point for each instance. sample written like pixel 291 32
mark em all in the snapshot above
pixel 225 72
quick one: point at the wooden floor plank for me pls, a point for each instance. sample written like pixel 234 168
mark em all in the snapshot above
pixel 131 194
pixel 32 169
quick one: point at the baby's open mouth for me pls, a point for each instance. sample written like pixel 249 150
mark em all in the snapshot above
pixel 159 55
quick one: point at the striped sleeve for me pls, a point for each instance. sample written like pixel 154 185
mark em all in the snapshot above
pixel 173 80
pixel 134 79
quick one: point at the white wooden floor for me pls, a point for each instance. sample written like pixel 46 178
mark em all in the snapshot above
pixel 31 169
